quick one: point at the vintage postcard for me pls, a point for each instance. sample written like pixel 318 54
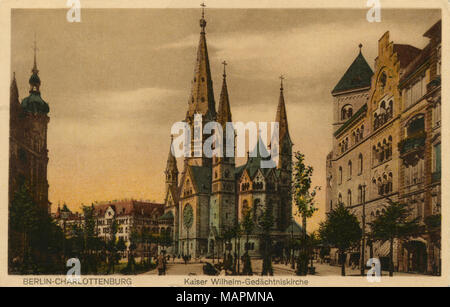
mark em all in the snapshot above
pixel 224 143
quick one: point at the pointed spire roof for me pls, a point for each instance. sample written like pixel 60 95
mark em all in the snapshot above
pixel 34 103
pixel 281 116
pixel 202 94
pixel 34 79
pixel 358 75
pixel 171 160
pixel 13 88
pixel 224 110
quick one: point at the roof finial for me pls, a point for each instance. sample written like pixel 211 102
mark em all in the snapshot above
pixel 360 47
pixel 35 70
pixel 203 21
pixel 281 82
pixel 224 63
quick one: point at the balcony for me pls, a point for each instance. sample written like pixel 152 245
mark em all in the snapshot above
pixel 412 148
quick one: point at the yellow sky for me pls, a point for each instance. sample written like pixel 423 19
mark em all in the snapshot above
pixel 118 80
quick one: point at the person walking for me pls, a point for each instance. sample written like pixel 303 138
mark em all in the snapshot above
pixel 161 264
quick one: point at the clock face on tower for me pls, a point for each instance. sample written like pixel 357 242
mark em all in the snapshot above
pixel 188 216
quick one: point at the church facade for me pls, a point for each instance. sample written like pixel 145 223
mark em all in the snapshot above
pixel 211 195
pixel 386 145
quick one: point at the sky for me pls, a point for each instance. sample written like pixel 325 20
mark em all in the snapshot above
pixel 119 79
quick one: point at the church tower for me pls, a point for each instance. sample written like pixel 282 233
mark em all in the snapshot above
pixel 285 162
pixel 201 100
pixel 28 141
pixel 171 171
pixel 223 199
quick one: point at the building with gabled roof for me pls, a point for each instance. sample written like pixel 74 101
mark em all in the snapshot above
pixel 386 145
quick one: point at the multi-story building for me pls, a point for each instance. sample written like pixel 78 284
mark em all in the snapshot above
pixel 28 153
pixel 385 140
pixel 130 215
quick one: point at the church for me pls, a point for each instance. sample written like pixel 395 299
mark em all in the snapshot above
pixel 212 195
pixel 28 153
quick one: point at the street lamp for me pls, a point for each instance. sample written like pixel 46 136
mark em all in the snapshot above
pixel 363 241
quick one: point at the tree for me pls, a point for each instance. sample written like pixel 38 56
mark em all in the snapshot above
pixel 134 239
pixel 341 230
pixel 247 227
pixel 228 235
pixel 304 201
pixel 91 239
pixel 267 224
pixel 121 245
pixel 35 241
pixel 112 244
pixel 394 223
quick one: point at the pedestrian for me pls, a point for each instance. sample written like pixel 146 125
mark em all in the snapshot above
pixel 161 264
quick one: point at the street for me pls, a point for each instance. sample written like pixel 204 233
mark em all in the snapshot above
pixel 322 269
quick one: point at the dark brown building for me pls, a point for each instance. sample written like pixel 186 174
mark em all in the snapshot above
pixel 28 153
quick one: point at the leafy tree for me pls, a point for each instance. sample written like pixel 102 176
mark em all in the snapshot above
pixel 341 230
pixel 394 223
pixel 112 245
pixel 228 235
pixel 134 240
pixel 121 245
pixel 304 200
pixel 35 241
pixel 91 239
pixel 267 224
pixel 247 227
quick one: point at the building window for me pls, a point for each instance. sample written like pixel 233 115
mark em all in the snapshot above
pixel 360 164
pixel 437 114
pixel 415 92
pixel 340 174
pixel 340 198
pixel 346 112
pixel 349 198
pixel 437 158
pixel 360 192
pixel 349 169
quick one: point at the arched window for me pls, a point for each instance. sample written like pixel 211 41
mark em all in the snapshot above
pixel 340 174
pixel 359 194
pixel 349 198
pixel 390 109
pixel 360 164
pixel 346 112
pixel 340 198
pixel 349 169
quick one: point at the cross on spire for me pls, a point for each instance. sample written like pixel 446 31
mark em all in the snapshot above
pixel 224 63
pixel 202 20
pixel 203 5
pixel 281 81
pixel 35 49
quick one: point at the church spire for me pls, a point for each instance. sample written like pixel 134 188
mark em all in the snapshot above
pixel 281 117
pixel 171 168
pixel 35 81
pixel 202 94
pixel 35 70
pixel 224 111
